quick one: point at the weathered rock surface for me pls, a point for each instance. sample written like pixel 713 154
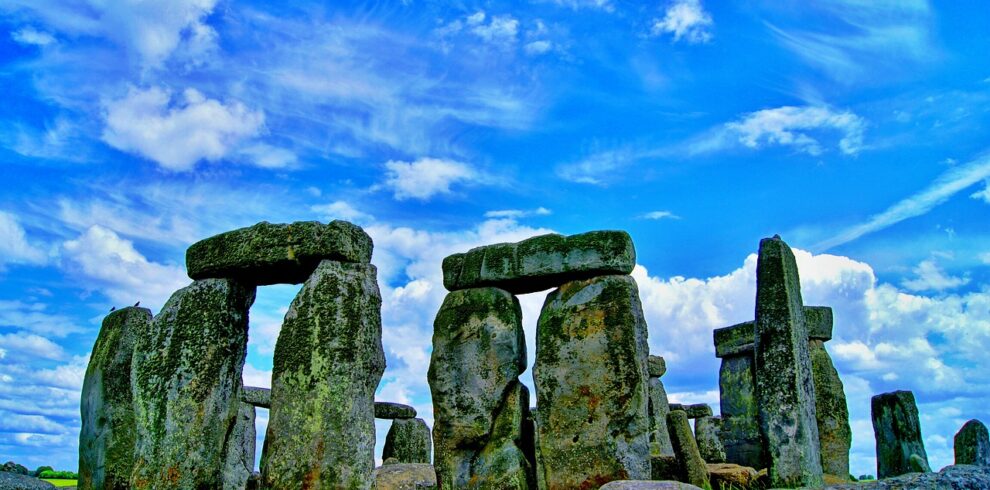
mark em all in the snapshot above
pixel 405 477
pixel 106 440
pixel 186 375
pixel 740 433
pixel 785 390
pixel 664 467
pixel 258 397
pixel 328 362
pixel 541 262
pixel 957 477
pixel 818 321
pixel 479 405
pixel 972 444
pixel 408 441
pixel 656 367
pixel 706 434
pixel 389 410
pixel 269 253
pixel 647 485
pixel 727 475
pixel 15 481
pixel 591 381
pixel 698 410
pixel 692 467
pixel 659 408
pixel 240 450
pixel 832 414
pixel 897 431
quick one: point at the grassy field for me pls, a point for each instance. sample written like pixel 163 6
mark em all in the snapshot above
pixel 62 483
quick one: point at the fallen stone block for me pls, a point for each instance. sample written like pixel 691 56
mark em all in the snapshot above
pixel 727 475
pixel 647 485
pixel 406 476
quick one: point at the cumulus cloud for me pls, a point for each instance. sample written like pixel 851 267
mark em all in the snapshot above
pixel 15 248
pixel 685 20
pixel 426 177
pixel 178 133
pixel 21 346
pixel 929 276
pixel 790 126
pixel 342 210
pixel 111 265
pixel 32 36
pixel 36 318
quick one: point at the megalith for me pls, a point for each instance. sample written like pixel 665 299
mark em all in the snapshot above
pixel 327 364
pixel 257 397
pixel 408 441
pixel 740 432
pixel 240 450
pixel 390 410
pixel 479 405
pixel 541 262
pixel 107 436
pixel 832 414
pixel 898 433
pixel 591 383
pixel 186 380
pixel 706 433
pixel 785 390
pixel 692 466
pixel 972 444
pixel 659 407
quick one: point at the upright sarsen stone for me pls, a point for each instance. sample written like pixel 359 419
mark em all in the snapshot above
pixel 479 405
pixel 591 382
pixel 328 362
pixel 107 437
pixel 972 444
pixel 832 414
pixel 706 434
pixel 186 375
pixel 408 441
pixel 692 467
pixel 740 432
pixel 898 433
pixel 240 450
pixel 785 390
pixel 659 407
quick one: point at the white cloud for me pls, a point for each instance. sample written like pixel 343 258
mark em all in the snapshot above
pixel 35 317
pixel 342 210
pixel 15 248
pixel 32 36
pixel 267 156
pixel 113 266
pixel 984 194
pixel 931 277
pixel 23 346
pixel 501 29
pixel 657 215
pixel 426 177
pixel 177 134
pixel 790 126
pixel 537 47
pixel 597 168
pixel 605 5
pixel 517 213
pixel 687 20
pixel 956 179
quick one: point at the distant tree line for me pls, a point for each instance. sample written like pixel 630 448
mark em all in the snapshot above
pixel 42 472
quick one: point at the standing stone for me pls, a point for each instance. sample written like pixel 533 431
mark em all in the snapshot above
pixel 541 262
pixel 740 433
pixel 659 407
pixel 328 362
pixel 832 414
pixel 972 444
pixel 706 433
pixel 240 450
pixel 898 433
pixel 692 467
pixel 785 390
pixel 408 441
pixel 591 384
pixel 186 375
pixel 106 440
pixel 479 405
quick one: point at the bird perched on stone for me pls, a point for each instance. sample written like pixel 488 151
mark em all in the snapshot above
pixel 138 303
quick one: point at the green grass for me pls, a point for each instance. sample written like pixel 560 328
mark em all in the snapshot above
pixel 61 483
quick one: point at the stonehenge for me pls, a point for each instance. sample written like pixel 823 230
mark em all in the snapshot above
pixel 163 405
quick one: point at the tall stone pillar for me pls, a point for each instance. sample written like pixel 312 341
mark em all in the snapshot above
pixel 328 362
pixel 740 432
pixel 785 390
pixel 106 439
pixel 591 381
pixel 240 450
pixel 898 433
pixel 479 405
pixel 186 376
pixel 834 433
pixel 659 407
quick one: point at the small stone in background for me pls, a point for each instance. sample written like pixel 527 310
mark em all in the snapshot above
pixel 972 444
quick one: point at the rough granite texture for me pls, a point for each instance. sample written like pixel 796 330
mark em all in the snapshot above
pixel 659 408
pixel 697 410
pixel 692 467
pixel 818 321
pixel 972 444
pixel 740 433
pixel 401 476
pixel 591 381
pixel 390 410
pixel 897 431
pixel 663 467
pixel 240 450
pixel 14 481
pixel 258 397
pixel 956 477
pixel 706 434
pixel 479 405
pixel 731 476
pixel 106 439
pixel 834 433
pixel 647 485
pixel 541 262
pixel 269 253
pixel 785 390
pixel 408 441
pixel 327 364
pixel 656 367
pixel 186 380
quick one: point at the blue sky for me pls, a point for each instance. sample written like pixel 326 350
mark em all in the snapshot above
pixel 856 129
